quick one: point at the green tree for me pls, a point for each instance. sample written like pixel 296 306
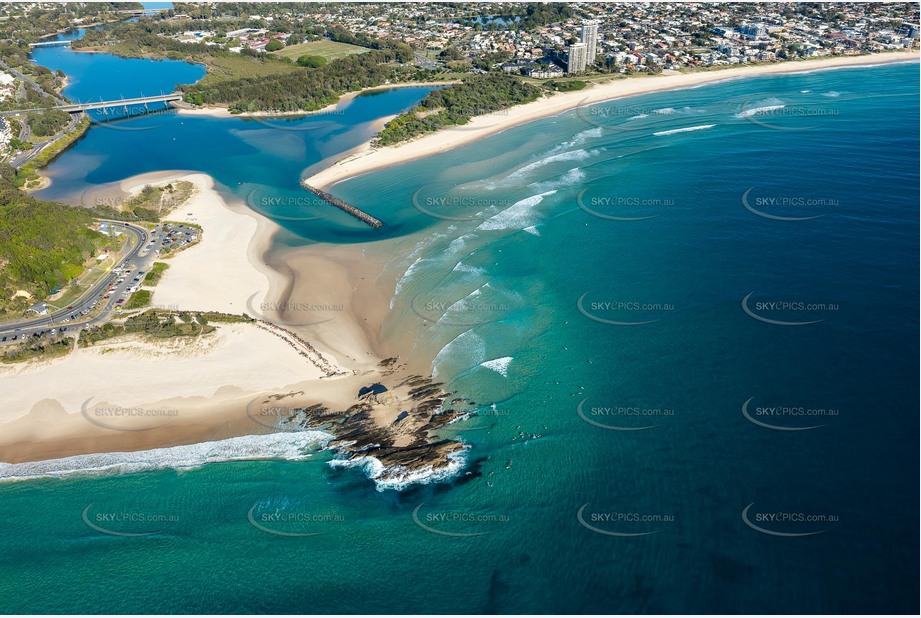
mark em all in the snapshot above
pixel 311 62
pixel 274 45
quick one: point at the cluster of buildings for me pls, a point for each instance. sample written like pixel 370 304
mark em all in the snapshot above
pixel 6 134
pixel 582 54
pixel 642 36
pixel 235 40
pixel 7 86
pixel 609 36
pixel 7 91
pixel 253 38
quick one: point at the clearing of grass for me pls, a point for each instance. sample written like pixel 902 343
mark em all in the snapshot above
pixel 223 67
pixel 330 50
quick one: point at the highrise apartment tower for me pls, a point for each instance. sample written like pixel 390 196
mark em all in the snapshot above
pixel 575 62
pixel 590 38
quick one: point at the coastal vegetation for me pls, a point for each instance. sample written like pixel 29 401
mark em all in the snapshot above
pixel 564 85
pixel 153 201
pixel 48 122
pixel 43 245
pixel 457 104
pixel 301 90
pixel 26 23
pixel 27 174
pixel 155 274
pixel 142 40
pixel 156 323
pixel 311 62
pixel 161 324
pixel 314 72
pixel 138 300
pixel 40 348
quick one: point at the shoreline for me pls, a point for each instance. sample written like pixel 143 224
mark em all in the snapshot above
pixel 367 160
pixel 300 369
pixel 219 111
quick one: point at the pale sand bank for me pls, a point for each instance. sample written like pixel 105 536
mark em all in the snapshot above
pixel 208 381
pixel 224 271
pixel 186 391
pixel 368 160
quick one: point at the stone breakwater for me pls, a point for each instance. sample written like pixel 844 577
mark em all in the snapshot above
pixel 344 206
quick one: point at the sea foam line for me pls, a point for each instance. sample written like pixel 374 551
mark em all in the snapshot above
pixel 684 130
pixel 759 110
pixel 290 446
pixel 400 477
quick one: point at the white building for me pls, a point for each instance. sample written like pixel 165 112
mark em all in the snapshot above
pixel 545 72
pixel 576 59
pixel 590 38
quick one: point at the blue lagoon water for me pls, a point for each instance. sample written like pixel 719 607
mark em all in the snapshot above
pixel 627 299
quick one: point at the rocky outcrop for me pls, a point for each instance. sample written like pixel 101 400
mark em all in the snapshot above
pixel 391 432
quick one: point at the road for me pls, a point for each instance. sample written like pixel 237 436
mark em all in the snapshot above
pixel 22 158
pixel 31 82
pixel 140 256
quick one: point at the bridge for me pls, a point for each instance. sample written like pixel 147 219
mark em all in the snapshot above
pixel 50 44
pixel 140 11
pixel 123 103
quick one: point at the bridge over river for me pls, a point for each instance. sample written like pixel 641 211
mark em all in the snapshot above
pixel 50 44
pixel 119 103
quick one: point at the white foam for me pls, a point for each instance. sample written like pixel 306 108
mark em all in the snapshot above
pixel 532 230
pixel 665 111
pixel 407 276
pixel 466 345
pixel 517 216
pixel 400 477
pixel 518 175
pixel 578 139
pixel 417 256
pixel 460 305
pixel 458 243
pixel 291 446
pixel 569 155
pixel 466 268
pixel 758 110
pixel 571 178
pixel 499 365
pixel 684 130
pixel 639 116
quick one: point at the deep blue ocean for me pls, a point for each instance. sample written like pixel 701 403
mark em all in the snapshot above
pixel 691 320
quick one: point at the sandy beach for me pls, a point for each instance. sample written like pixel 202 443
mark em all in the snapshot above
pixel 331 296
pixel 368 160
pixel 207 383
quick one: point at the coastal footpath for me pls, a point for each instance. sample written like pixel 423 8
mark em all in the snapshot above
pixel 368 159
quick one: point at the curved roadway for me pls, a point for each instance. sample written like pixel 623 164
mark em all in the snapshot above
pixel 24 328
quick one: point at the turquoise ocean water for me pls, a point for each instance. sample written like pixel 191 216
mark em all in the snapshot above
pixel 632 302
